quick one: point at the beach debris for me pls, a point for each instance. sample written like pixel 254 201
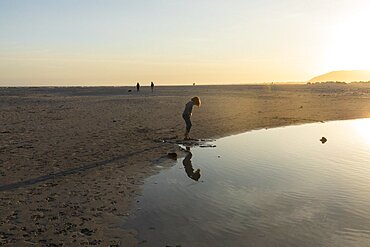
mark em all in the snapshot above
pixel 207 146
pixel 115 243
pixel 172 156
pixel 301 106
pixel 87 231
pixel 93 242
pixel 159 140
pixel 204 143
pixel 206 140
pixel 323 140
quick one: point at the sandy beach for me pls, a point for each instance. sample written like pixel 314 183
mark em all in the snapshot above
pixel 72 160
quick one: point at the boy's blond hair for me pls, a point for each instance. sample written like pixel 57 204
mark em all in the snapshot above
pixel 196 101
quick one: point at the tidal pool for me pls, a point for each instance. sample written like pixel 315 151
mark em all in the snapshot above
pixel 275 187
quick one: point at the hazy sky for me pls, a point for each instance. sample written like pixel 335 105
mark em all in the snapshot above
pixel 111 42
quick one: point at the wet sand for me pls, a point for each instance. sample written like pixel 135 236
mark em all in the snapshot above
pixel 72 159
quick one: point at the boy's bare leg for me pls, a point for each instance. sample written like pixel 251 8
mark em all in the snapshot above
pixel 186 135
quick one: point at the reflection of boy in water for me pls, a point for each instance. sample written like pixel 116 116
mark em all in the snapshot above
pixel 189 168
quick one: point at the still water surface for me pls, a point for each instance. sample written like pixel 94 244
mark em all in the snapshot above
pixel 276 187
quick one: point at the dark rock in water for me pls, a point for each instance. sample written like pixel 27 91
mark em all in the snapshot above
pixel 129 90
pixel 172 156
pixel 323 140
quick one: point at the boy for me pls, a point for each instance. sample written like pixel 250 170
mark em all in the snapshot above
pixel 187 114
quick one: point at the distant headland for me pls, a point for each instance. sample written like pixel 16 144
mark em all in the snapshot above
pixel 343 76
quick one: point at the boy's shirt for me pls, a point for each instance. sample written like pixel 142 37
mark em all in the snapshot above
pixel 188 108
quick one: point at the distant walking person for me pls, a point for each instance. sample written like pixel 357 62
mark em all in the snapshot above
pixel 152 86
pixel 187 114
pixel 137 87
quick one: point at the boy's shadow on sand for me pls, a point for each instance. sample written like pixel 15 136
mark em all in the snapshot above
pixel 195 175
pixel 88 166
pixel 71 171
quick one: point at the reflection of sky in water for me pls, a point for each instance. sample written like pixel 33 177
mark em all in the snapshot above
pixel 263 188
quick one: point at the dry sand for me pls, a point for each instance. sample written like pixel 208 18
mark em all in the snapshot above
pixel 72 159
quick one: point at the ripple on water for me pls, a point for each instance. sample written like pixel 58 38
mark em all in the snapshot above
pixel 265 188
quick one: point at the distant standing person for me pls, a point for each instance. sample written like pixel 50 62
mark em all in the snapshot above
pixel 137 87
pixel 152 86
pixel 187 114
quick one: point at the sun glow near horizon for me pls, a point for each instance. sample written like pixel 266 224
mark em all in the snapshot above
pixel 349 46
pixel 362 128
pixel 208 42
